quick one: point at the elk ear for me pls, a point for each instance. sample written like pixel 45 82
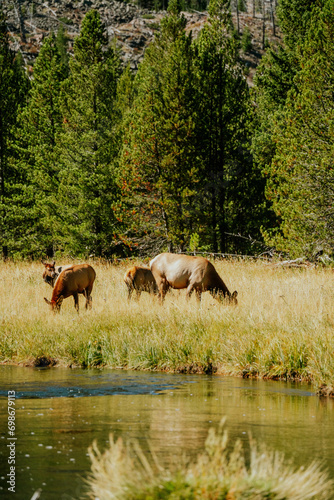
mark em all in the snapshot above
pixel 234 297
pixel 47 301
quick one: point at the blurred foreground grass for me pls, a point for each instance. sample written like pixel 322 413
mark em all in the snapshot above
pixel 125 472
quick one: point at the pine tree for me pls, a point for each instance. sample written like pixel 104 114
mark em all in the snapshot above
pixel 274 79
pixel 275 74
pixel 13 88
pixel 285 131
pixel 301 175
pixel 159 146
pixel 224 112
pixel 295 17
pixel 62 45
pixel 38 129
pixel 89 144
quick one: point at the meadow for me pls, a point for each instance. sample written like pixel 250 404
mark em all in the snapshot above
pixel 281 328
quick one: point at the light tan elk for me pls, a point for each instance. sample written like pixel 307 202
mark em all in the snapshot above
pixel 139 279
pixel 72 281
pixel 51 272
pixel 193 273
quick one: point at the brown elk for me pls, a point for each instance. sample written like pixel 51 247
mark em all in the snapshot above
pixel 72 281
pixel 51 272
pixel 193 273
pixel 140 279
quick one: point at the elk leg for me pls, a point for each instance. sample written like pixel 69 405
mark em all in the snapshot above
pixel 163 289
pixel 130 290
pixel 198 294
pixel 87 294
pixel 76 301
pixel 190 290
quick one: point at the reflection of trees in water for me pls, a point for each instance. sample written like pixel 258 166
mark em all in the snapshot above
pixel 176 422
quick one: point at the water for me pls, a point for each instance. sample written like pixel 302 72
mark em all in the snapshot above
pixel 59 412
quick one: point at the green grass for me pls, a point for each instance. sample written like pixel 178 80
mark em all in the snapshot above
pixel 124 472
pixel 281 328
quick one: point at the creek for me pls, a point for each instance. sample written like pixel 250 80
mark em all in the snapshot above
pixel 60 411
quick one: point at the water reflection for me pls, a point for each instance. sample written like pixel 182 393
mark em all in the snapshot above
pixel 55 426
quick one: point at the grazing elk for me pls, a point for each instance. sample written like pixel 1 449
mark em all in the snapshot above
pixel 51 272
pixel 72 281
pixel 139 279
pixel 193 273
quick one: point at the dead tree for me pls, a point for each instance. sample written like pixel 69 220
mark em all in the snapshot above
pixel 263 24
pixel 272 17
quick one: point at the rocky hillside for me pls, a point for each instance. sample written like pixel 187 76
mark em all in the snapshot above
pixel 134 28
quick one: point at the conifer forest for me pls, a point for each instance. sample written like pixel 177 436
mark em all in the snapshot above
pixel 98 160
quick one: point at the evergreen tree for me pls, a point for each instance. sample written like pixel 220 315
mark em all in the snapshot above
pixel 274 79
pixel 301 175
pixel 13 88
pixel 159 144
pixel 283 92
pixel 276 72
pixel 224 113
pixel 62 45
pixel 275 75
pixel 125 93
pixel 89 144
pixel 38 130
pixel 295 17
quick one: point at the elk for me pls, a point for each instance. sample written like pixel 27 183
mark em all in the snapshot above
pixel 139 279
pixel 72 281
pixel 193 273
pixel 51 272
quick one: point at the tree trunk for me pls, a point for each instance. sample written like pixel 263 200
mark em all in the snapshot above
pixel 237 8
pixel 166 223
pixel 221 182
pixel 22 28
pixel 2 186
pixel 214 220
pixel 212 184
pixel 272 17
pixel 263 25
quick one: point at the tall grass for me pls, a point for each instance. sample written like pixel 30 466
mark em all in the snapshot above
pixel 281 328
pixel 124 472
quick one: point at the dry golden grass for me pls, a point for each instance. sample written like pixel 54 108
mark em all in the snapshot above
pixel 282 326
